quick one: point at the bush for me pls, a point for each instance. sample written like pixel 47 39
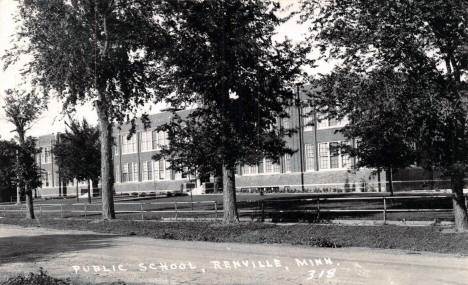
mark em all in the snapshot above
pixel 35 279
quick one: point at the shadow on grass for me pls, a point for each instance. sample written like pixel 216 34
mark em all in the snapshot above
pixel 32 248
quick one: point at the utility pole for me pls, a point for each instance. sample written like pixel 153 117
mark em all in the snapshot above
pixel 18 188
pixel 301 134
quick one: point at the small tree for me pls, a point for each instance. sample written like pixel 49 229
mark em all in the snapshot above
pixel 224 61
pixel 22 109
pixel 77 153
pixel 7 172
pixel 28 172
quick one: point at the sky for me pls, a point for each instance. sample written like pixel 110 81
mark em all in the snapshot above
pixel 52 120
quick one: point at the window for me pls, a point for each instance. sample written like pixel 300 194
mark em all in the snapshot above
pixel 324 123
pixel 250 169
pixel 135 172
pixel 308 118
pixel 161 170
pixel 268 166
pixel 309 157
pixel 117 175
pixel 125 175
pixel 271 167
pixel 45 179
pixel 147 171
pixel 334 148
pixel 159 139
pixel 324 162
pixel 286 124
pixel 46 154
pixel 146 141
pixel 331 156
pixel 129 145
pixel 287 162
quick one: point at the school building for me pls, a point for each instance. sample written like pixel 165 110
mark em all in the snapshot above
pixel 317 166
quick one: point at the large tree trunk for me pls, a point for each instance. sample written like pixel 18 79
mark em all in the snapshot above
pixel 89 192
pixel 458 200
pixel 229 195
pixel 107 181
pixel 29 205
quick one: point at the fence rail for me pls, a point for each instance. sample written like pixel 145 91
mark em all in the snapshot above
pixel 258 207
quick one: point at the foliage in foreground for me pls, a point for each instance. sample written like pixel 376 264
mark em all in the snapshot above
pixel 41 278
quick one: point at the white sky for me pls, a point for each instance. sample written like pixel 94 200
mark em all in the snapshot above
pixel 51 121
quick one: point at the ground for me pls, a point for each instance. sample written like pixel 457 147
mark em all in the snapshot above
pixel 85 256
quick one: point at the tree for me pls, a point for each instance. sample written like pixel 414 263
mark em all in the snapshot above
pixel 7 172
pixel 28 172
pixel 104 52
pixel 373 104
pixel 77 154
pixel 425 43
pixel 223 60
pixel 22 109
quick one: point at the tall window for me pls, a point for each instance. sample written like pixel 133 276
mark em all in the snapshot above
pixel 334 155
pixel 117 174
pixel 287 162
pixel 268 165
pixel 271 167
pixel 135 171
pixel 146 141
pixel 147 171
pixel 250 169
pixel 308 118
pixel 161 170
pixel 129 145
pixel 47 155
pixel 125 174
pixel 286 125
pixel 309 157
pixel 159 139
pixel 331 156
pixel 45 179
pixel 324 160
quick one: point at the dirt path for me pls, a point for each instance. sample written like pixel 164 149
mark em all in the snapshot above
pixel 100 258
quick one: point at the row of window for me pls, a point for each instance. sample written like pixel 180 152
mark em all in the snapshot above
pixel 150 140
pixel 151 170
pixel 322 121
pixel 330 156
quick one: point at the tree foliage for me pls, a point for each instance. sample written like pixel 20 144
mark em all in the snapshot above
pixel 7 171
pixel 103 52
pixel 403 69
pixel 77 152
pixel 224 61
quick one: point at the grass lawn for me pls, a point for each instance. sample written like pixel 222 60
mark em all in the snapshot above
pixel 389 237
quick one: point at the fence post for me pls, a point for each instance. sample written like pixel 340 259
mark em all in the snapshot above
pixel 142 212
pixel 85 210
pixel 40 211
pixel 318 209
pixel 263 212
pixel 384 210
pixel 176 212
pixel 61 210
pixel 216 210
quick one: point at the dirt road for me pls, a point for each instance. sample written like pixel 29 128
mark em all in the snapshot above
pixel 99 258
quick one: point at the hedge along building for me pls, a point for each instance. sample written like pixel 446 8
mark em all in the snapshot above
pixel 318 164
